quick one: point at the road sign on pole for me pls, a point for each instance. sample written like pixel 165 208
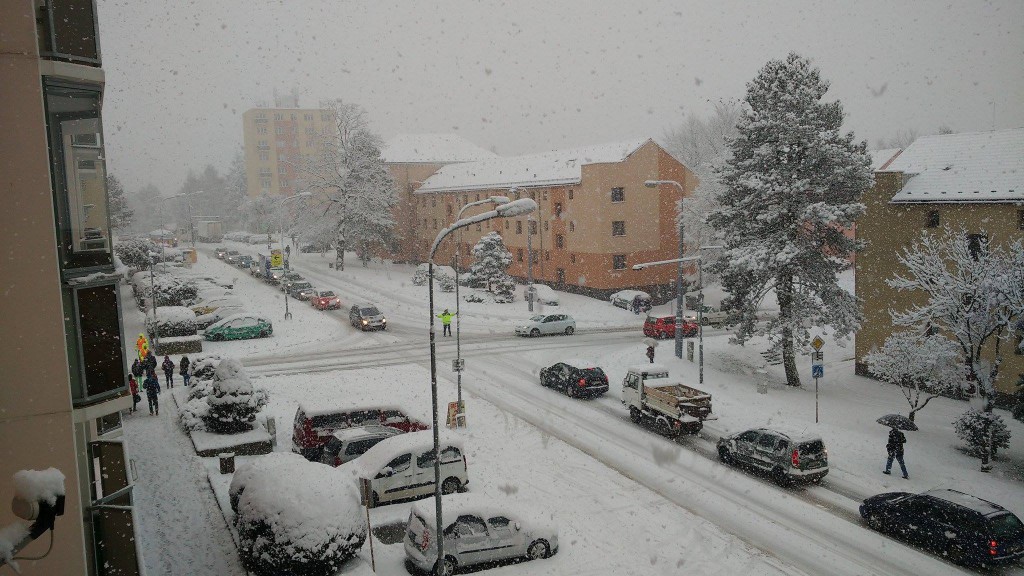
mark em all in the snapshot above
pixel 817 343
pixel 817 371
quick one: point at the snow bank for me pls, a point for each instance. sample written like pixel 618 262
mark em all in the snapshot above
pixel 39 485
pixel 263 465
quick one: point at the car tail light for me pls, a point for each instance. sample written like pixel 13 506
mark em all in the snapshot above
pixel 993 548
pixel 582 382
pixel 796 458
pixel 465 464
pixel 306 441
pixel 337 461
pixel 425 540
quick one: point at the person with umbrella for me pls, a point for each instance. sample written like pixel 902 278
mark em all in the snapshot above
pixel 896 441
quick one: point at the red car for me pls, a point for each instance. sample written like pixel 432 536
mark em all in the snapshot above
pixel 665 327
pixel 325 300
pixel 315 425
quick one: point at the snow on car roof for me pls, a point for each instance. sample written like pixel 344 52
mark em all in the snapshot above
pixel 642 368
pixel 580 363
pixel 311 410
pixel 358 431
pixel 966 500
pixel 630 294
pixel 370 463
pixel 484 506
pixel 243 315
pixel 795 434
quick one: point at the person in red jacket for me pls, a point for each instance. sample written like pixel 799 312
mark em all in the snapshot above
pixel 133 387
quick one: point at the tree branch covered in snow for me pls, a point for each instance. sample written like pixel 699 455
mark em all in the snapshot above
pixel 920 364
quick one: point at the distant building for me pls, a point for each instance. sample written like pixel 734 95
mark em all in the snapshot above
pixel 63 363
pixel 278 142
pixel 972 181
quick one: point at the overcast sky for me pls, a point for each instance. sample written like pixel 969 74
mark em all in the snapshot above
pixel 532 75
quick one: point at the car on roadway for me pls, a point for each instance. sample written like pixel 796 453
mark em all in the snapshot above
pixel 239 327
pixel 665 327
pixel 232 256
pixel 348 444
pixel 274 276
pixel 965 529
pixel 244 261
pixel 301 290
pixel 220 252
pixel 367 317
pixel 709 316
pixel 786 456
pixel 288 277
pixel 576 378
pixel 325 300
pixel 478 531
pixel 541 324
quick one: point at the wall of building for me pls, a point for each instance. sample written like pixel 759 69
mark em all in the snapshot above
pixel 35 398
pixel 408 177
pixel 888 229
pixel 301 137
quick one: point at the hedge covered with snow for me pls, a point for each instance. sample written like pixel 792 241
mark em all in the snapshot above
pixel 297 517
pixel 233 401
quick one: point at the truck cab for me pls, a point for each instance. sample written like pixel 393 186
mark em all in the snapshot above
pixel 673 408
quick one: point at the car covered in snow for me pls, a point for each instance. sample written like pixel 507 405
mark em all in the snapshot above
pixel 220 252
pixel 963 528
pixel 204 321
pixel 244 261
pixel 541 324
pixel 709 316
pixel 315 425
pixel 786 456
pixel 624 298
pixel 575 377
pixel 476 531
pixel 541 293
pixel 325 300
pixel 665 327
pixel 288 278
pixel 232 256
pixel 348 444
pixel 239 327
pixel 367 317
pixel 210 304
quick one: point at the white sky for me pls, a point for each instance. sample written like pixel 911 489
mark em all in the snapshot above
pixel 532 75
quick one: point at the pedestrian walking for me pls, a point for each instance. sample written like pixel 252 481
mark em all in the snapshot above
pixel 185 369
pixel 446 322
pixel 168 366
pixel 133 387
pixel 650 353
pixel 137 370
pixel 152 387
pixel 149 362
pixel 895 449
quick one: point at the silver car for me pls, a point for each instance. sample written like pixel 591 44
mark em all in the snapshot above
pixel 547 324
pixel 367 317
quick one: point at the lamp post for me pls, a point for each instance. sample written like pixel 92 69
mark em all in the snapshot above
pixel 188 204
pixel 280 227
pixel 497 201
pixel 680 287
pixel 510 209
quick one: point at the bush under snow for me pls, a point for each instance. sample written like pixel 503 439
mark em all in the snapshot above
pixel 233 401
pixel 970 427
pixel 264 465
pixel 298 519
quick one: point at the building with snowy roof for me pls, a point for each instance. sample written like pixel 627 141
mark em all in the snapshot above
pixel 972 182
pixel 595 219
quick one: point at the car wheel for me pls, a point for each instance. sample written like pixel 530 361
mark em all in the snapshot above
pixel 538 549
pixel 635 415
pixel 451 486
pixel 569 330
pixel 661 423
pixel 447 567
pixel 218 337
pixel 263 334
pixel 724 455
pixel 780 477
pixel 957 556
pixel 534 333
pixel 704 321
pixel 570 390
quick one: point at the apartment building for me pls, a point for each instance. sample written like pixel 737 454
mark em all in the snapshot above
pixel 972 182
pixel 411 159
pixel 279 142
pixel 63 360
pixel 596 217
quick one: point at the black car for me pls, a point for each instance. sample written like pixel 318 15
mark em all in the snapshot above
pixel 220 252
pixel 244 261
pixel 964 528
pixel 576 378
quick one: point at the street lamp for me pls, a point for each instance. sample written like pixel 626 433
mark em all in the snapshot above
pixel 529 254
pixel 497 201
pixel 680 287
pixel 507 210
pixel 287 314
pixel 188 203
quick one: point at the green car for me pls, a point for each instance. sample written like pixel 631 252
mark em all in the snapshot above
pixel 240 327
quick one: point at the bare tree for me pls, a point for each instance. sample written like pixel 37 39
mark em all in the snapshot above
pixel 925 365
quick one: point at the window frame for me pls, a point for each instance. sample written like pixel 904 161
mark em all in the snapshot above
pixel 80 396
pixel 618 228
pixel 620 192
pixel 616 260
pixel 933 219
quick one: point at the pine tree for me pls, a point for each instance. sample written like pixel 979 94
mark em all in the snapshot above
pixel 490 262
pixel 120 214
pixel 792 184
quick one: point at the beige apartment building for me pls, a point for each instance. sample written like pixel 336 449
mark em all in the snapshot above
pixel 972 182
pixel 278 143
pixel 595 220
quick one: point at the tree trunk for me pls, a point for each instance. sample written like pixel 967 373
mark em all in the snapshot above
pixel 784 289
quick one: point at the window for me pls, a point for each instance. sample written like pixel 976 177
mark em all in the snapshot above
pixel 506 225
pixel 469 526
pixel 977 244
pixel 572 258
pixel 519 226
pixel 533 194
pixel 570 194
pixel 450 454
pixel 766 442
pixel 499 526
pixel 1020 219
pixel 99 347
pixel 433 202
pixel 619 262
pixel 618 194
pixel 399 464
pixel 478 227
pixel 536 256
pixel 545 195
pixel 293 117
pixel 465 199
pixel 264 156
pixel 449 208
pixel 558 209
pixel 307 117
pixel 68 29
pixel 425 460
pixel 545 225
pixel 533 226
pixel 108 423
pixel 547 254
pixel 933 219
pixel 519 255
pixel 559 241
pixel 477 197
pixel 619 228
pixel 278 117
pixel 261 130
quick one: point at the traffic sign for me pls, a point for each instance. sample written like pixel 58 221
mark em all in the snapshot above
pixel 817 371
pixel 458 364
pixel 817 343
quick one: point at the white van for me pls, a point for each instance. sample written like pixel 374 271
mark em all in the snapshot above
pixel 402 467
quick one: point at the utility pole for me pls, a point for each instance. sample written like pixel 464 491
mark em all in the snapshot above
pixel 529 263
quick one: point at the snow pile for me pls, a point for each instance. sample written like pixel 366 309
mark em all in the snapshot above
pixel 204 367
pixel 299 518
pixel 233 401
pixel 39 485
pixel 264 465
pixel 10 536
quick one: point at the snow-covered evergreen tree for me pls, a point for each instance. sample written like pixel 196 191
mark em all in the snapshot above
pixel 920 364
pixel 792 184
pixel 120 214
pixel 233 401
pixel 972 291
pixel 490 262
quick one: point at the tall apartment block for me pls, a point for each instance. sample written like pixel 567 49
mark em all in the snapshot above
pixel 278 142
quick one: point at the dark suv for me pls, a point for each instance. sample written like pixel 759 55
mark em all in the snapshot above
pixel 785 456
pixel 576 378
pixel 965 529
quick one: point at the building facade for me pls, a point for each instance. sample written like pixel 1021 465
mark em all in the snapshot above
pixel 972 182
pixel 63 363
pixel 278 143
pixel 596 218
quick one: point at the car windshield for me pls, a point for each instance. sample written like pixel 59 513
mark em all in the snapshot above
pixel 1006 526
pixel 371 311
pixel 813 447
pixel 537 318
pixel 326 294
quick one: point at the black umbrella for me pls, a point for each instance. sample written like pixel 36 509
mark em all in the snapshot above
pixel 897 421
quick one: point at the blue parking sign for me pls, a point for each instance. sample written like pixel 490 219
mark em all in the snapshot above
pixel 817 371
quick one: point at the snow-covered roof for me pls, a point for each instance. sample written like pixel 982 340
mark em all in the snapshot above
pixel 369 464
pixel 881 158
pixel 970 167
pixel 432 149
pixel 545 169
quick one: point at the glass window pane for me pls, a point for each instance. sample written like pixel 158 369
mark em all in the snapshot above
pixel 102 347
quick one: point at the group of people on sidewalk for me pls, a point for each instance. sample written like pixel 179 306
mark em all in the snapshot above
pixel 144 371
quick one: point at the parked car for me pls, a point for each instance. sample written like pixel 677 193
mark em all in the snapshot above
pixel 244 261
pixel 478 531
pixel 301 290
pixel 288 278
pixel 547 324
pixel 314 425
pixel 541 293
pixel 785 456
pixel 325 300
pixel 350 443
pixel 665 327
pixel 367 317
pixel 964 528
pixel 220 252
pixel 709 316
pixel 402 467
pixel 576 378
pixel 231 256
pixel 239 327
pixel 274 276
pixel 210 304
pixel 624 298
pixel 256 270
pixel 204 321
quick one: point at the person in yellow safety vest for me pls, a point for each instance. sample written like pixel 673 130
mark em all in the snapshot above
pixel 446 322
